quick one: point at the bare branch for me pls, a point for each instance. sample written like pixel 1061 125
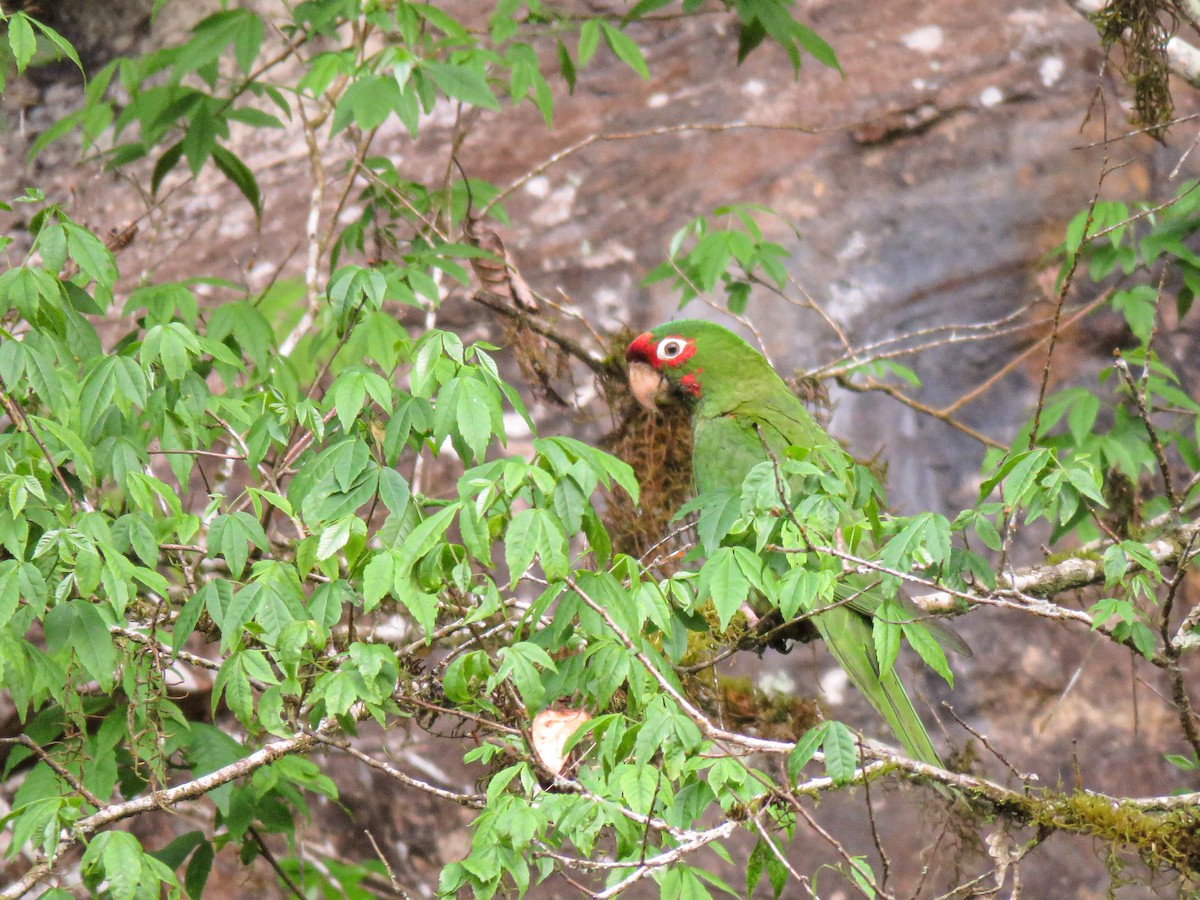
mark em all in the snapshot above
pixel 163 799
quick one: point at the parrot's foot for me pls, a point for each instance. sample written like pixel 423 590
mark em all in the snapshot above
pixel 770 631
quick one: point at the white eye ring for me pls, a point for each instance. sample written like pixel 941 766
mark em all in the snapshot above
pixel 670 348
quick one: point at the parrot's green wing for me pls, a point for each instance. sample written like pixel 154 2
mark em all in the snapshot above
pixel 725 447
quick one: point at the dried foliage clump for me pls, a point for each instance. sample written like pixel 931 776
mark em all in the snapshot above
pixel 541 362
pixel 813 393
pixel 1142 28
pixel 658 446
pixel 744 706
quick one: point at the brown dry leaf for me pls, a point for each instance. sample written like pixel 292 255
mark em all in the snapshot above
pixel 498 273
pixel 549 732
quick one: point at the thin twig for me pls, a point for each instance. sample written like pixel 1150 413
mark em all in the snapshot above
pixel 274 863
pixel 982 738
pixel 1160 456
pixel 783 860
pixel 841 851
pixel 884 862
pixel 1001 373
pixel 593 361
pixel 473 801
pixel 16 413
pixel 872 384
pixel 76 785
pixel 1064 287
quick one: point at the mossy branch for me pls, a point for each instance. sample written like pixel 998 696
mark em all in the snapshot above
pixel 1033 585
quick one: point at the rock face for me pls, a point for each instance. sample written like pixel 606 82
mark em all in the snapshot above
pixel 926 185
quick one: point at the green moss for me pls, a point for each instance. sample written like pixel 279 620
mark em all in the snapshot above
pixel 1141 28
pixel 1055 558
pixel 1163 840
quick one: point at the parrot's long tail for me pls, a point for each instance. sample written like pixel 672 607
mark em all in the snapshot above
pixel 848 636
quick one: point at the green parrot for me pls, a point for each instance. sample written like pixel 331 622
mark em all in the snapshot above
pixel 743 414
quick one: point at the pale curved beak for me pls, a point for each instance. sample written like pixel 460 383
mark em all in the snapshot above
pixel 647 386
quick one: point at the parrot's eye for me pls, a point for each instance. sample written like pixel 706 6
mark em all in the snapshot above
pixel 670 348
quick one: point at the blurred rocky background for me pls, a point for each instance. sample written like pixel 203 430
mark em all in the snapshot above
pixel 923 187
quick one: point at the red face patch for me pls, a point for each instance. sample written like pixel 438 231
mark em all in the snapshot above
pixel 671 351
pixel 641 349
pixel 691 382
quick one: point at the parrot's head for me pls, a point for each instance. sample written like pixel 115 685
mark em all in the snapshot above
pixel 667 364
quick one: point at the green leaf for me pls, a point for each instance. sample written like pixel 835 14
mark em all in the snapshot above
pixel 52 242
pixel 1082 416
pixel 886 630
pixel 141 539
pixel 522 662
pixel 247 40
pixel 1116 563
pixel 92 643
pixel 475 534
pixel 367 102
pixel 60 44
pixel 475 408
pixel 240 174
pixel 817 47
pixel 802 589
pixel 465 82
pixel 233 685
pixel 750 35
pixel 394 491
pixel 94 259
pixel 589 40
pixel 805 748
pixel 738 293
pixel 195 877
pixel 231 537
pixel 378 578
pixel 21 40
pixel 642 7
pixel 256 118
pixel 639 784
pixel 723 579
pixel 10 589
pixel 325 605
pixel 841 753
pixel 465 676
pixel 334 537
pixel 1143 639
pixel 928 648
pixel 1141 555
pixel 682 883
pixel 423 538
pixel 442 21
pixel 1102 610
pixel 1183 762
pixel 987 532
pixel 535 532
pixel 1026 469
pixel 565 65
pixel 625 49
pixel 163 166
pixel 1139 304
pixel 200 138
pixel 115 857
pixel 185 622
pixel 719 510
